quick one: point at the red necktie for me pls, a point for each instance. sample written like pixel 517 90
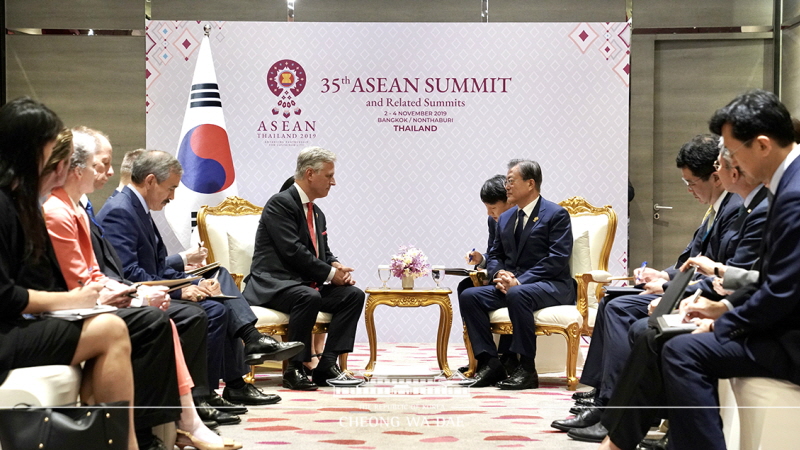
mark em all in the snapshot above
pixel 310 220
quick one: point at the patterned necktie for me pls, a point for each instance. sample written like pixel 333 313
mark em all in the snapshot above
pixel 709 218
pixel 90 213
pixel 520 226
pixel 310 222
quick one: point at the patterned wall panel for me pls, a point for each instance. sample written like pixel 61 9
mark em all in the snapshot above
pixel 565 105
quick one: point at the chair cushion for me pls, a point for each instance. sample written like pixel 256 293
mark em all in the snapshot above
pixel 241 242
pixel 561 315
pixel 268 316
pixel 41 386
pixel 597 228
pixel 581 260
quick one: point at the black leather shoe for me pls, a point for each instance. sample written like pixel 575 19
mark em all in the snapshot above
pixel 208 412
pixel 296 380
pixel 463 369
pixel 584 394
pixel 211 424
pixel 269 349
pixel 223 405
pixel 486 376
pixel 510 363
pixel 586 418
pixel 654 444
pixel 521 379
pixel 249 395
pixel 594 433
pixel 575 409
pixel 584 402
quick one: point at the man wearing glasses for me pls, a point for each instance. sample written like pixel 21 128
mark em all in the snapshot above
pixel 609 348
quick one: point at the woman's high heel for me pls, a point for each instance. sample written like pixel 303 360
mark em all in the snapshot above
pixel 186 439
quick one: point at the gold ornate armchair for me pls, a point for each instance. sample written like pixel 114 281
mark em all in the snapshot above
pixel 229 232
pixel 593 231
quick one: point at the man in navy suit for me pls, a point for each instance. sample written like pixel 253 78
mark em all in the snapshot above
pixel 127 224
pixel 529 266
pixel 761 336
pixel 610 348
pixel 295 272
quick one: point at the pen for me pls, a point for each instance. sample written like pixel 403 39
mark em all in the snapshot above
pixel 470 256
pixel 641 269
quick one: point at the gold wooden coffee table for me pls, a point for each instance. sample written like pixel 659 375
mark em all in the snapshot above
pixel 411 298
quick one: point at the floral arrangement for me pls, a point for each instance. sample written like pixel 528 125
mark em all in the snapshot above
pixel 410 262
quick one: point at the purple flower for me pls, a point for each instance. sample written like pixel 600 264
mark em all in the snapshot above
pixel 410 261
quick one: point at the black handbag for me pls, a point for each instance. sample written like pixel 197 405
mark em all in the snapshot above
pixel 98 427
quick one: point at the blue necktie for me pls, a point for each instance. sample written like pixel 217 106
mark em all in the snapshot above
pixel 90 213
pixel 520 226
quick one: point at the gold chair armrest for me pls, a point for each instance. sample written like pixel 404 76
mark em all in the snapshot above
pixel 237 278
pixel 478 277
pixel 582 301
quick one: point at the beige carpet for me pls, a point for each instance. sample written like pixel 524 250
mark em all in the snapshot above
pixel 481 418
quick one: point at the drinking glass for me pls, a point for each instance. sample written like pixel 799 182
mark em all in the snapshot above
pixel 437 273
pixel 384 274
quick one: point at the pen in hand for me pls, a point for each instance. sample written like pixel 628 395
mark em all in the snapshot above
pixel 641 269
pixel 470 256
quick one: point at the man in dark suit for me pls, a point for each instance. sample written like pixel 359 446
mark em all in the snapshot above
pixel 125 219
pixel 760 337
pixel 609 348
pixel 640 382
pixel 295 272
pixel 529 266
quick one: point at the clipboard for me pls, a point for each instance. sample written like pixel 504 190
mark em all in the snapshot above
pixel 169 283
pixel 204 269
pixel 79 313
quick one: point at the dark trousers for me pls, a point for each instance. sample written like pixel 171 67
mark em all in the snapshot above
pixel 476 303
pixel 609 347
pixel 225 353
pixel 303 303
pixel 239 313
pixel 192 324
pixel 154 373
pixel 692 364
pixel 504 346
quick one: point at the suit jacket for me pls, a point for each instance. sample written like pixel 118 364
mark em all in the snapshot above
pixel 740 244
pixel 544 249
pixel 136 239
pixel 492 225
pixel 709 244
pixel 283 255
pixel 769 319
pixel 72 241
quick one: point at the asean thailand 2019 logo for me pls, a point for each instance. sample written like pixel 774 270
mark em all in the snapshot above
pixel 286 79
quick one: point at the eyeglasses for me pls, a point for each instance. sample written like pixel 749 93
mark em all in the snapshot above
pixel 508 182
pixel 691 184
pixel 732 153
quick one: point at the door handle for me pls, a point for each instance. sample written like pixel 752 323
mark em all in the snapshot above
pixel 658 207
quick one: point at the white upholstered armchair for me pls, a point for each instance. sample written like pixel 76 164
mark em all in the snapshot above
pixel 593 230
pixel 229 232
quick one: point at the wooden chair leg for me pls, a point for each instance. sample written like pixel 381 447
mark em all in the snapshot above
pixel 473 363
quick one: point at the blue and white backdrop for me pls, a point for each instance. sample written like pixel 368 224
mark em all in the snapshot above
pixel 419 116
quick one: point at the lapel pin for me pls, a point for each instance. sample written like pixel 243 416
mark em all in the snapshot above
pixel 535 219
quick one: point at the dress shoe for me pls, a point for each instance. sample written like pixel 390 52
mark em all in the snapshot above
pixel 249 395
pixel 586 418
pixel 521 379
pixel 223 405
pixel 584 402
pixel 576 409
pixel 486 376
pixel 267 348
pixel 510 363
pixel 208 412
pixel 296 380
pixel 654 444
pixel 594 433
pixel 463 369
pixel 156 444
pixel 186 439
pixel 333 376
pixel 584 394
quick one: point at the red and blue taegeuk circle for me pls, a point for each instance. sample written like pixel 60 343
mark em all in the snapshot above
pixel 205 155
